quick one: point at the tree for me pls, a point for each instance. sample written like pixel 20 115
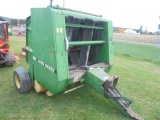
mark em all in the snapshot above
pixel 14 22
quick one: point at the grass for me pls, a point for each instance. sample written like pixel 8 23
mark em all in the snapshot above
pixel 139 81
pixel 142 51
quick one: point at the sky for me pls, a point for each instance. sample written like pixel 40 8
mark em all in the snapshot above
pixel 123 13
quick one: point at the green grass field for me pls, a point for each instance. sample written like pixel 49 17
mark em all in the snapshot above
pixel 142 51
pixel 139 81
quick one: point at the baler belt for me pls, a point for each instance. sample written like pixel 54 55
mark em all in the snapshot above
pixel 71 34
pixel 87 35
pixel 69 19
pixel 99 37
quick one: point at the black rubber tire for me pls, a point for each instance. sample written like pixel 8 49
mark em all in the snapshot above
pixel 22 80
pixel 10 59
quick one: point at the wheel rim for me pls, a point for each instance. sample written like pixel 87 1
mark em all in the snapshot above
pixel 17 81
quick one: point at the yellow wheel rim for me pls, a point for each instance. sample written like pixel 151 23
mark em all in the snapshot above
pixel 17 81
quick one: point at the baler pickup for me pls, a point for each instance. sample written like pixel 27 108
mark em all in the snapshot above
pixel 66 47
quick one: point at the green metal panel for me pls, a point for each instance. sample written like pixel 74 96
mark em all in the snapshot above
pixel 31 72
pixel 44 52
pixel 96 77
pixel 61 52
pixel 81 15
pixel 83 26
pixel 106 52
pixel 86 43
pixel 45 38
pixel 29 41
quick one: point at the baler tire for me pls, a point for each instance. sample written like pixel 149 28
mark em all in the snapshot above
pixel 38 87
pixel 10 60
pixel 22 80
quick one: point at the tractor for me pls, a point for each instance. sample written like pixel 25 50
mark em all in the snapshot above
pixel 65 50
pixel 6 58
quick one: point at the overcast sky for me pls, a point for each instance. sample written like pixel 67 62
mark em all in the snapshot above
pixel 123 13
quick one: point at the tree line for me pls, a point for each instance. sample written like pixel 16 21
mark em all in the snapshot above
pixel 14 22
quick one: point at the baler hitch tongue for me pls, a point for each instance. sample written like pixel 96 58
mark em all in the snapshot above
pixel 114 96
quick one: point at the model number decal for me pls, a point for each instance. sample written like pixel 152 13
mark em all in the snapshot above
pixel 44 64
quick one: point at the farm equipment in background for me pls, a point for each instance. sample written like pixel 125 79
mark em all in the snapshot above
pixel 10 33
pixel 67 48
pixel 6 57
pixel 19 30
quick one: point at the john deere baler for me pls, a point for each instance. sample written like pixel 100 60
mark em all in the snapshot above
pixel 67 47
